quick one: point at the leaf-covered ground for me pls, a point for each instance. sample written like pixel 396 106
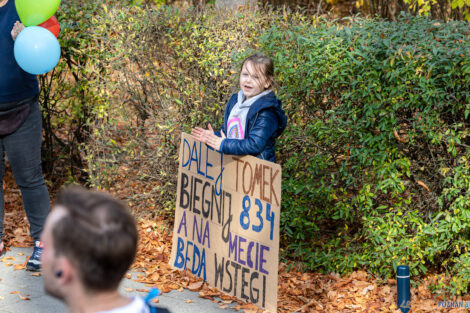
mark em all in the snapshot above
pixel 298 292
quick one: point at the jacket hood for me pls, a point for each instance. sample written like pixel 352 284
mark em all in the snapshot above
pixel 270 101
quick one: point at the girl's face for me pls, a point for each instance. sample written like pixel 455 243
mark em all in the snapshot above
pixel 252 81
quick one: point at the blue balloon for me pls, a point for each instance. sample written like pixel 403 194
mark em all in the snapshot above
pixel 36 50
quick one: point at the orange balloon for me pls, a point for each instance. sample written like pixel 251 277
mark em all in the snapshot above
pixel 51 25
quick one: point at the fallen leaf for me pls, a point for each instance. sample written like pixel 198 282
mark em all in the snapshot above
pixel 189 301
pixel 19 267
pixel 24 297
pixel 423 185
pixel 397 137
pixel 249 306
pixel 367 289
pixel 331 295
pixel 196 286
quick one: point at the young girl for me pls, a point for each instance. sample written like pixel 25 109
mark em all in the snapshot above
pixel 253 118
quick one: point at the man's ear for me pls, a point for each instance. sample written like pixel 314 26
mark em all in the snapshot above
pixel 65 271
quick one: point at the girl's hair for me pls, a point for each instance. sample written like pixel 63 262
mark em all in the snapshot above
pixel 263 64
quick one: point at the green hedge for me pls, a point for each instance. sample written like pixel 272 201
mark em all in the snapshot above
pixel 73 95
pixel 376 154
pixel 376 159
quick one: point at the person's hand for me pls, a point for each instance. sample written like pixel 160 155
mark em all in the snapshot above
pixel 215 141
pixel 202 134
pixel 17 28
pixel 199 134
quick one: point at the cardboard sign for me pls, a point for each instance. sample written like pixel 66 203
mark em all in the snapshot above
pixel 227 222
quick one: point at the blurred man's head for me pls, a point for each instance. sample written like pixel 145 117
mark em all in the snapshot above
pixel 90 241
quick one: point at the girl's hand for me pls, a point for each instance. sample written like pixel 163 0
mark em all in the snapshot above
pixel 199 134
pixel 202 134
pixel 17 28
pixel 215 141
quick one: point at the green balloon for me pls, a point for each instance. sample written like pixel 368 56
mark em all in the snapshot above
pixel 34 12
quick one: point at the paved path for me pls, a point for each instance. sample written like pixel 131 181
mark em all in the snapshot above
pixel 26 285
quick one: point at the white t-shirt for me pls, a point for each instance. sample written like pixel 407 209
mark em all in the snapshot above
pixel 136 306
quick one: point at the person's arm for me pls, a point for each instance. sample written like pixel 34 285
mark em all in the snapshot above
pixel 265 125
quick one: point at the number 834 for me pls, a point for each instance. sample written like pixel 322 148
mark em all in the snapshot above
pixel 258 222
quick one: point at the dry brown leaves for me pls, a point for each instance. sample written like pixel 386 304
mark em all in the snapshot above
pixel 26 297
pixel 298 292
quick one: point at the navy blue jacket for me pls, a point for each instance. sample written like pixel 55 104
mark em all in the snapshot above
pixel 265 121
pixel 15 84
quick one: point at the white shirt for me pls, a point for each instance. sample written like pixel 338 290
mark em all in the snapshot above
pixel 136 306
